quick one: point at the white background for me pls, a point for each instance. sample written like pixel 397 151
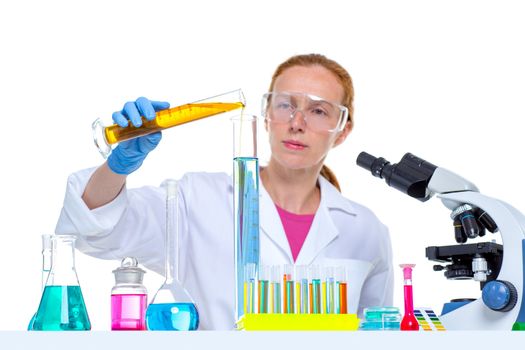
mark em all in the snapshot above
pixel 443 80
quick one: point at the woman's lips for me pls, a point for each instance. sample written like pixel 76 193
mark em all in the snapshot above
pixel 294 145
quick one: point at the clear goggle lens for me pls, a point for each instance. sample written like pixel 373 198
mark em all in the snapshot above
pixel 319 114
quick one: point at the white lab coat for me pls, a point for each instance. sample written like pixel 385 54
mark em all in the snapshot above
pixel 342 233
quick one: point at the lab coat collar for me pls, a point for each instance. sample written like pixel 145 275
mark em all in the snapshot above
pixel 322 232
pixel 332 198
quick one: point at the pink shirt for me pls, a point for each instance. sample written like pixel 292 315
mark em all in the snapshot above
pixel 296 228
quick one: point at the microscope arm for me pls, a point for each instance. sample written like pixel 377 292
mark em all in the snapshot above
pixel 445 181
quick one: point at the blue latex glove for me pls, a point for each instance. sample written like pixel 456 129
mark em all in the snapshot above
pixel 129 155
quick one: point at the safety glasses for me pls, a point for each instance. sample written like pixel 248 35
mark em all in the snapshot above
pixel 319 114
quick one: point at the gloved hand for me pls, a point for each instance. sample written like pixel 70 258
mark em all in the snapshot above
pixel 129 155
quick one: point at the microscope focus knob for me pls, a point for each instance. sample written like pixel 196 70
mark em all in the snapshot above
pixel 499 295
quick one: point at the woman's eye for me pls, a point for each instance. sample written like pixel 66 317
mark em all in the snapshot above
pixel 283 105
pixel 319 112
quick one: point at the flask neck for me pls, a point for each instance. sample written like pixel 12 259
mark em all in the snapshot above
pixel 63 254
pixel 63 262
pixel 172 232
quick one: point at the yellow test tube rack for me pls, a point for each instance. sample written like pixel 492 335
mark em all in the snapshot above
pixel 298 322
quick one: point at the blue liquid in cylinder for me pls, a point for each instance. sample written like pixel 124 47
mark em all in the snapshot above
pixel 246 208
pixel 62 308
pixel 172 317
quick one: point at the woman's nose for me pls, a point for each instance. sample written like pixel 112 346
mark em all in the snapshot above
pixel 298 120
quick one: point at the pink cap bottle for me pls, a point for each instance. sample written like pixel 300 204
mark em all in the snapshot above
pixel 129 298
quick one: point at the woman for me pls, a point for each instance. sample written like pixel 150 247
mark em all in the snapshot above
pixel 304 219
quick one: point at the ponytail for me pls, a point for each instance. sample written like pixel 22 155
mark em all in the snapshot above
pixel 330 176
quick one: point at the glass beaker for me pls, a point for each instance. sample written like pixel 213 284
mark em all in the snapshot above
pixel 46 267
pixel 129 297
pixel 106 136
pixel 246 207
pixel 172 308
pixel 62 306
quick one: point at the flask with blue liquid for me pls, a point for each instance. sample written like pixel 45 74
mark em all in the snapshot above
pixel 172 308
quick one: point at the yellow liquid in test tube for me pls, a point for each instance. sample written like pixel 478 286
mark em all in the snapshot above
pixel 169 118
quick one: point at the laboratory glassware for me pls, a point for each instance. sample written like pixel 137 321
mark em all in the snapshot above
pixel 129 297
pixel 46 267
pixel 62 306
pixel 409 321
pixel 330 290
pixel 315 289
pixel 288 286
pixel 342 306
pixel 263 289
pixel 172 308
pixel 380 319
pixel 250 280
pixel 302 288
pixel 107 136
pixel 246 205
pixel 275 290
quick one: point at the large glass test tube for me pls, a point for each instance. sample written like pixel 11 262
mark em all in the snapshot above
pixel 107 136
pixel 246 209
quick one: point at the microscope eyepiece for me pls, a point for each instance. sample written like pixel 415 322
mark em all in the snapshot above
pixel 411 175
pixel 374 164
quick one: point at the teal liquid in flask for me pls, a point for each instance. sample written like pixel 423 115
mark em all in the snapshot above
pixel 172 308
pixel 62 306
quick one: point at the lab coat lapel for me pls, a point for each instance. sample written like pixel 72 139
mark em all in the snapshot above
pixel 270 223
pixel 323 230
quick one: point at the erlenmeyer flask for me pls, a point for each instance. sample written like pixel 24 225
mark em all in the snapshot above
pixel 62 306
pixel 172 308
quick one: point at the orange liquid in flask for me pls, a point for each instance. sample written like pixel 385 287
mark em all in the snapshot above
pixel 168 118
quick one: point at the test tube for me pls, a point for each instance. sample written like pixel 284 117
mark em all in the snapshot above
pixel 323 295
pixel 288 286
pixel 330 290
pixel 301 278
pixel 315 289
pixel 342 305
pixel 275 290
pixel 249 288
pixel 264 277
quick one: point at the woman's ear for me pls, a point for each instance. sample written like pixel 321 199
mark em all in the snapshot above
pixel 343 134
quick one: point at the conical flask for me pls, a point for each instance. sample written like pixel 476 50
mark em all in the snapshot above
pixel 62 306
pixel 172 308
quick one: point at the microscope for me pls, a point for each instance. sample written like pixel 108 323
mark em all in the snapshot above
pixel 500 269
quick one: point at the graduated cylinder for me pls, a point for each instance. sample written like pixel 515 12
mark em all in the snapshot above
pixel 246 211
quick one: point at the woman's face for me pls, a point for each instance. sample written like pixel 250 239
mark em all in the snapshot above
pixel 293 144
